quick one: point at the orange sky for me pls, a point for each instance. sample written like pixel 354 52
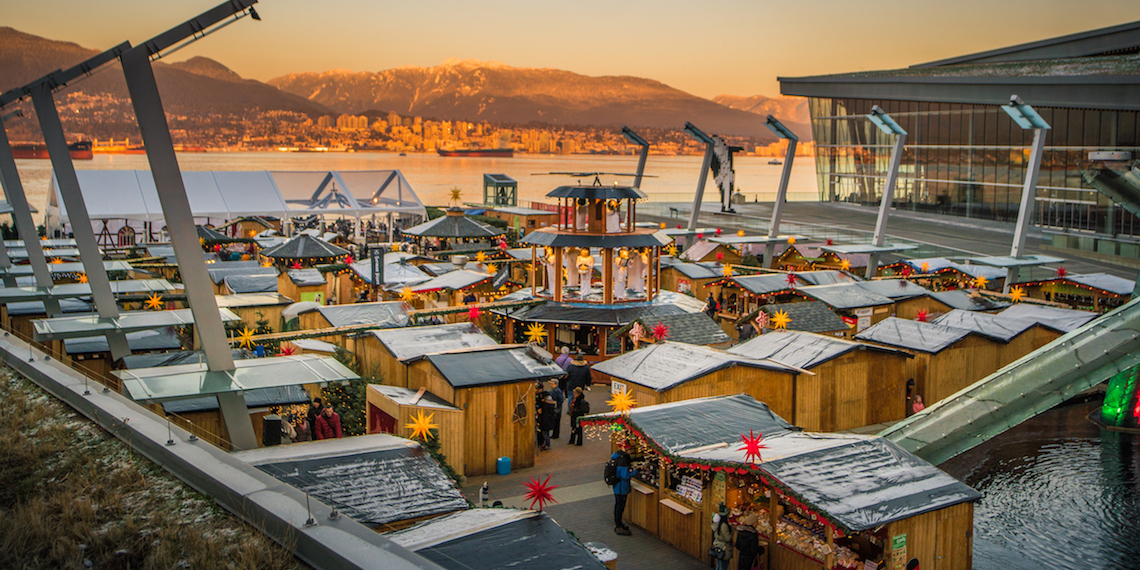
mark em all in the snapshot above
pixel 734 47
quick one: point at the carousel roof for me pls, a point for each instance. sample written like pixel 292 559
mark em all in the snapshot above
pixel 305 246
pixel 597 192
pixel 454 225
pixel 616 315
pixel 557 238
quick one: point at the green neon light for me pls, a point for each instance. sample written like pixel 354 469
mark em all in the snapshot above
pixel 1120 398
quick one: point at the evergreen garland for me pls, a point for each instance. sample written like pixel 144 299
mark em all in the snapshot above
pixel 349 401
pixel 432 446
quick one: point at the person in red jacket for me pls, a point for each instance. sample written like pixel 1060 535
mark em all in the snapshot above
pixel 328 424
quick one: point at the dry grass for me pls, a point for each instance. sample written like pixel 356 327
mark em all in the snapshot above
pixel 72 493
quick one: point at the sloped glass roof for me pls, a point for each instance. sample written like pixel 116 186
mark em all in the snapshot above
pixel 93 325
pixel 196 380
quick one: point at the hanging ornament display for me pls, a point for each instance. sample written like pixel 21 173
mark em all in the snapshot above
pixel 539 492
pixel 535 333
pixel 780 320
pixel 421 426
pixel 752 446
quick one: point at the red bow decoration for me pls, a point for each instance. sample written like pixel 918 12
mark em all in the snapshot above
pixel 752 446
pixel 660 331
pixel 539 492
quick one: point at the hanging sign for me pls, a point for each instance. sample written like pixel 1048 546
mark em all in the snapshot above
pixel 377 256
pixel 617 387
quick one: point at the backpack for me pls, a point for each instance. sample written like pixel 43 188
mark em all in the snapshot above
pixel 610 474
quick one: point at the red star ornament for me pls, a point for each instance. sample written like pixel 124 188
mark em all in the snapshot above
pixel 752 446
pixel 791 279
pixel 660 331
pixel 472 313
pixel 288 350
pixel 720 256
pixel 296 265
pixel 922 316
pixel 906 271
pixel 830 241
pixel 700 236
pixel 1062 272
pixel 349 260
pixel 539 492
pixel 718 232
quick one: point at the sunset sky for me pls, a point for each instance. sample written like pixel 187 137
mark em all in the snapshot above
pixel 734 47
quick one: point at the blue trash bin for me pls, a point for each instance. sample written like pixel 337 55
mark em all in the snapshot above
pixel 503 466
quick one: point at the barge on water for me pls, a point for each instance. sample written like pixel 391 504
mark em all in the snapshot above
pixel 80 150
pixel 478 152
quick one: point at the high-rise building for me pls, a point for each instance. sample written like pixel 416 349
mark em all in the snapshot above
pixel 964 156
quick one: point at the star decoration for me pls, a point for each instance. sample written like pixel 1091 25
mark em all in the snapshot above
pixel 700 236
pixel 636 333
pixel 395 247
pixel 621 402
pixel 1062 272
pixel 906 271
pixel 980 282
pixel 535 333
pixel 662 225
pixel 472 313
pixel 252 233
pixel 421 426
pixel 740 233
pixel 921 316
pixel 406 295
pixel 925 267
pixel 727 271
pixel 718 232
pixel 82 277
pixel 780 320
pixel 1016 293
pixel 267 263
pixel 492 268
pixel 202 242
pixel 845 264
pixel 348 260
pixel 296 265
pixel 672 250
pixel 56 261
pixel 154 301
pixel 539 492
pixel 791 240
pixel 678 226
pixel 503 244
pixel 660 331
pixel 480 257
pixel 246 338
pixel 288 350
pixel 752 446
pixel 830 241
pixel 791 279
pixel 720 256
pixel 454 201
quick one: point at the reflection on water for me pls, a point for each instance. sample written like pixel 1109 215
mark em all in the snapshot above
pixel 1059 492
pixel 433 176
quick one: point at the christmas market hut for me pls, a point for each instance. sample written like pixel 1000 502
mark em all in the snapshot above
pixel 220 270
pixel 909 298
pixel 449 289
pixel 1051 322
pixel 255 308
pixel 942 274
pixel 1018 337
pixel 690 328
pixel 804 316
pixel 851 301
pixel 834 500
pixel 398 272
pixel 946 359
pixel 18 316
pixel 799 257
pixel 202 416
pixel 854 384
pixel 381 481
pixel 739 295
pixel 386 354
pixel 498 538
pixel 304 251
pixel 243 284
pixel 383 314
pixel 673 371
pixel 690 278
pixel 304 285
pixel 936 303
pixel 1097 292
pixel 707 251
pixel 495 388
pixel 93 354
pixel 396 410
pixel 456 231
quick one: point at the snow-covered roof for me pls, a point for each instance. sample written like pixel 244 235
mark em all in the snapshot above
pixel 667 364
pixel 800 349
pixel 1060 320
pixel 493 365
pixel 915 335
pixel 411 343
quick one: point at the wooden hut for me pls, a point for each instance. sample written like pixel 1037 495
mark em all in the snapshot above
pixel 799 257
pixel 388 314
pixel 1051 322
pixel 304 251
pixel 690 328
pixel 243 284
pixel 449 289
pixel 1097 292
pixel 17 317
pixel 523 219
pixel 304 285
pixel 937 303
pixel 946 359
pixel 494 386
pixel 673 371
pixel 690 278
pixel 91 353
pixel 380 481
pixel 807 316
pixel 386 354
pixel 202 416
pixel 220 270
pixel 851 301
pixel 254 307
pixel 854 384
pixel 705 251
pixel 820 500
pixel 392 408
pixel 1018 337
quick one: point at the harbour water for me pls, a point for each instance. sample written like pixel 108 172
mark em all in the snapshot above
pixel 432 176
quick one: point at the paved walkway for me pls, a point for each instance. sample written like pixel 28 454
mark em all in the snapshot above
pixel 585 503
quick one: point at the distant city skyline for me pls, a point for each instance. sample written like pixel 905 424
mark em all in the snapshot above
pixel 734 47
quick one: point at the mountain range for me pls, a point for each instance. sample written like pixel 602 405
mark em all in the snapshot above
pixel 456 90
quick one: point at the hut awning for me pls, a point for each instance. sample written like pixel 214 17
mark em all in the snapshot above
pixel 305 246
pixel 999 328
pixel 1060 320
pixel 306 277
pixel 845 296
pixel 451 226
pixel 808 316
pixel 163 339
pixel 131 194
pixel 386 314
pixel 263 398
pixel 196 380
pixel 373 479
pixel 412 343
pixel 802 350
pixel 481 367
pixel 665 303
pixel 666 365
pixel 452 281
pixel 246 284
pixel 914 335
pixel 222 269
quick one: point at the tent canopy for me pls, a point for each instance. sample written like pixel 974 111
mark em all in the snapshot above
pixel 131 194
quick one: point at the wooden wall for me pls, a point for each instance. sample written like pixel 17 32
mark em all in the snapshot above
pixel 490 431
pixel 311 320
pixel 450 422
pixel 940 540
pixel 909 308
pixel 772 387
pixel 860 388
pixel 939 375
pixel 376 362
pixel 670 280
pixel 249 315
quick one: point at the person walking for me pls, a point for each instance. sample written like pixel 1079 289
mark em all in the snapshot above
pixel 578 374
pixel 722 538
pixel 711 307
pixel 622 487
pixel 546 419
pixel 314 411
pixel 747 543
pixel 559 398
pixel 564 359
pixel 578 408
pixel 328 424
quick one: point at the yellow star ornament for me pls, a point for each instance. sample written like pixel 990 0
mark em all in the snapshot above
pixel 727 271
pixel 791 240
pixel 535 333
pixel 246 338
pixel 492 268
pixel 980 282
pixel 622 402
pixel 845 264
pixel 82 277
pixel 406 294
pixel 154 302
pixel 672 250
pixel 56 261
pixel 925 268
pixel 780 320
pixel 421 426
pixel 1016 294
pixel 480 257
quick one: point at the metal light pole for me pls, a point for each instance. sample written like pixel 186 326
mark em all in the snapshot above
pixel 1026 118
pixel 783 132
pixel 889 127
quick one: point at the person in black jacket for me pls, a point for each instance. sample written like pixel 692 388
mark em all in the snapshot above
pixel 578 375
pixel 578 408
pixel 747 543
pixel 547 416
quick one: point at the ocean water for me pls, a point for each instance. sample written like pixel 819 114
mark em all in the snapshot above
pixel 432 176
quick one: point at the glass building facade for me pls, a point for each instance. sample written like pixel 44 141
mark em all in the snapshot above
pixel 970 160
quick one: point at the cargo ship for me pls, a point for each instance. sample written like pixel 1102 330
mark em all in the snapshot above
pixel 479 152
pixel 80 150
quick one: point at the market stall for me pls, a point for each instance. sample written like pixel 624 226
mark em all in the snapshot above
pixel 391 409
pixel 304 285
pixel 1098 292
pixel 690 278
pixel 256 307
pixel 707 251
pixel 851 301
pixel 834 500
pixel 386 354
pixel 937 303
pixel 805 316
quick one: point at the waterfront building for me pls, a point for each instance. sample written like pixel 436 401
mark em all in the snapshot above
pixel 965 157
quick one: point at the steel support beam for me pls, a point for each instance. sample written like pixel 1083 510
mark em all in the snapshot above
pixel 706 164
pixel 22 217
pixel 778 207
pixel 885 203
pixel 1028 203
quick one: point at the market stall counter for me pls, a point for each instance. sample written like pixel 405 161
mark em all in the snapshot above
pixel 834 500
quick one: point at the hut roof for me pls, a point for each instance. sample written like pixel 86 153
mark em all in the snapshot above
pixel 406 397
pixel 221 269
pixel 252 300
pixel 689 328
pixel 495 365
pixel 396 275
pixel 452 281
pixel 933 264
pixel 699 270
pixel 454 225
pixel 808 316
pixel 664 303
pixel 413 343
pixel 305 246
pixel 845 296
pixel 373 479
pixel 1101 281
pixel 306 277
pixel 966 301
pixel 1060 320
pixel 37 307
pixel 858 482
pixel 260 398
pixel 976 271
pixel 825 277
pixel 175 358
pixel 698 250
pixel 314 345
pixel 667 364
pixel 520 211
pixel 800 349
pixel 896 289
pixel 764 283
pixel 238 284
pixel 496 538
pixel 388 314
pixel 914 335
pixel 210 234
pixel 437 269
pixel 162 339
pixel 989 325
